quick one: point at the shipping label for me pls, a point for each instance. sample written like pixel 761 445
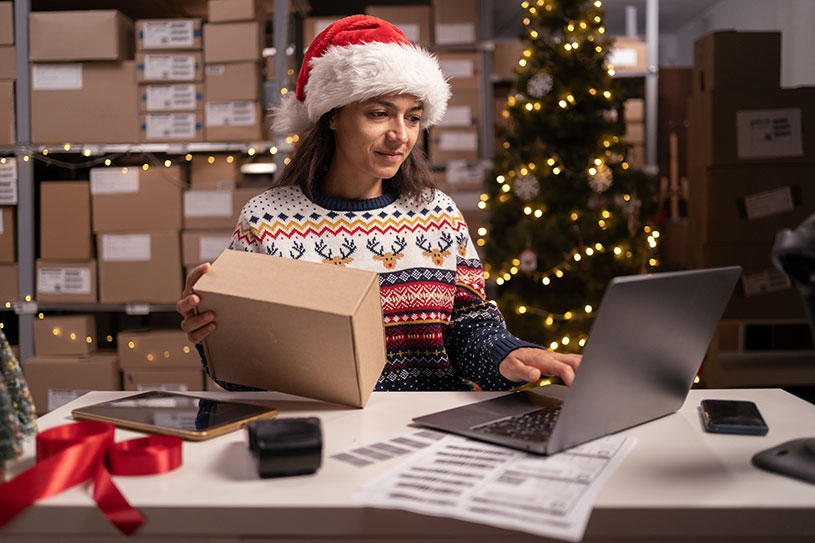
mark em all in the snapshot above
pixel 164 126
pixel 411 31
pixel 769 280
pixel 455 33
pixel 168 34
pixel 769 133
pixel 457 116
pixel 64 281
pixel 66 76
pixel 771 202
pixel 207 203
pixel 209 247
pixel 215 69
pixel 126 247
pixel 240 113
pixel 114 180
pixel 457 68
pixel 458 141
pixel 170 98
pixel 8 181
pixel 623 57
pixel 169 67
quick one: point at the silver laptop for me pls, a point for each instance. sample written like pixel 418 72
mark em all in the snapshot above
pixel 646 345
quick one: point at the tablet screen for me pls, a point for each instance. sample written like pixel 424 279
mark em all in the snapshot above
pixel 191 417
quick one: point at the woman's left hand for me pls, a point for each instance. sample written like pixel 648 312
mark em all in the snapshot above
pixel 530 364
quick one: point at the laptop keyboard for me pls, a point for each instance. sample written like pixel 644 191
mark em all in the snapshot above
pixel 532 426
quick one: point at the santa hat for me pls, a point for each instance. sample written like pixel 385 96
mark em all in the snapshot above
pixel 358 58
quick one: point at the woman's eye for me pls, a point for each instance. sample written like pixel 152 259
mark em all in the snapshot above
pixel 378 114
pixel 414 119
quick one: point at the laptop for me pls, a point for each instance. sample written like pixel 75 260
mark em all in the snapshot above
pixel 645 347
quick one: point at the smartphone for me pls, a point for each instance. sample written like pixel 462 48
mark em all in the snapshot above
pixel 733 417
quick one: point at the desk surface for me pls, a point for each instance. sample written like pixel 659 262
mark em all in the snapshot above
pixel 678 482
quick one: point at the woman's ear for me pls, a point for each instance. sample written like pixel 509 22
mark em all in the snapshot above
pixel 332 121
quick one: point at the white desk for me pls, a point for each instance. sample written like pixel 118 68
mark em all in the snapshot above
pixel 679 483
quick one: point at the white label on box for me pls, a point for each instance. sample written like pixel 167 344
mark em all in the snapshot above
pixel 458 141
pixel 22 307
pixel 64 281
pixel 411 31
pixel 170 97
pixel 114 180
pixel 455 33
pixel 126 247
pixel 57 77
pixel 230 113
pixel 623 58
pixel 771 202
pixel 168 34
pixel 457 116
pixel 770 280
pixel 1 221
pixel 208 203
pixel 57 398
pixel 8 181
pixel 137 309
pixel 459 172
pixel 158 126
pixel 769 133
pixel 209 247
pixel 169 67
pixel 215 69
pixel 454 68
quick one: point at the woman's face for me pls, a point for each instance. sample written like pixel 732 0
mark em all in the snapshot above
pixel 373 137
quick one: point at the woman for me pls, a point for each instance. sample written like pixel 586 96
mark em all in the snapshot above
pixel 358 192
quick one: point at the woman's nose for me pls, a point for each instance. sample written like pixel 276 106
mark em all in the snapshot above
pixel 398 131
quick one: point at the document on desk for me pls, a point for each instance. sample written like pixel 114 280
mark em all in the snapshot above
pixel 478 482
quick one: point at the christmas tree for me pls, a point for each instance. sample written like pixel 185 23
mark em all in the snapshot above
pixel 567 212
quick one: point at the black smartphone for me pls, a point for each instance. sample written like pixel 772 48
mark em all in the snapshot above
pixel 733 417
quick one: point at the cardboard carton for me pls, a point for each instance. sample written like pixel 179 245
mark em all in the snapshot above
pixel 232 81
pixel 214 172
pixel 455 22
pixel 462 109
pixel 156 349
pixel 414 21
pixel 8 234
pixel 447 144
pixel 227 11
pixel 8 284
pixel 634 110
pixel 134 199
pixel 162 34
pixel 171 127
pixel 6 23
pixel 65 335
pixel 505 58
pixel 207 209
pixel 66 281
pixel 628 55
pixel 139 267
pixel 91 102
pixel 157 97
pixel 180 380
pixel 8 123
pixel 737 60
pixel 234 121
pixel 55 380
pixel 8 62
pixel 105 34
pixel 198 246
pixel 169 66
pixel 233 42
pixel 462 69
pixel 315 331
pixel 634 133
pixel 65 220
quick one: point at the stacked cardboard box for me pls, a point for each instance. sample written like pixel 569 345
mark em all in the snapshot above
pixel 455 23
pixel 233 51
pixel 159 360
pixel 456 137
pixel 8 73
pixel 634 116
pixel 168 55
pixel 82 81
pixel 414 21
pixel 137 264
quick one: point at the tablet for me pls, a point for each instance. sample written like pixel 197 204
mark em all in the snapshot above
pixel 189 417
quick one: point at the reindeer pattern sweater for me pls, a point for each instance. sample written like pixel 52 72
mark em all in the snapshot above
pixel 441 332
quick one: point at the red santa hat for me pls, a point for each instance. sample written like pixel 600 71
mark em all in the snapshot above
pixel 358 58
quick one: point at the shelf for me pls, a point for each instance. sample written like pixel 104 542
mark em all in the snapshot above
pixel 92 149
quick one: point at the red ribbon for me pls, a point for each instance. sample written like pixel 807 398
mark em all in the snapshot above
pixel 72 453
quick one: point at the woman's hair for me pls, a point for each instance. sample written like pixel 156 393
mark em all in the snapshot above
pixel 310 162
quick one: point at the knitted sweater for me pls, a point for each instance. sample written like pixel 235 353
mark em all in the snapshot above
pixel 441 332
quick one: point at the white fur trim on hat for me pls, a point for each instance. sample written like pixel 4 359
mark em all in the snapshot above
pixel 359 72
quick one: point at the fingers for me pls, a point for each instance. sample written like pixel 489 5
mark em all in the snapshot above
pixel 515 370
pixel 529 364
pixel 199 326
pixel 194 275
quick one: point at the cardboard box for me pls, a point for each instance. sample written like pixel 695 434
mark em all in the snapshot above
pixel 313 26
pixel 739 61
pixel 447 144
pixel 271 326
pixel 134 199
pixel 227 11
pixel 234 121
pixel 634 110
pixel 269 64
pixel 634 133
pixel 8 234
pixel 8 62
pixel 462 109
pixel 505 58
pixel 628 55
pixel 6 23
pixel 455 22
pixel 751 127
pixel 171 127
pixel 65 220
pixel 162 34
pixel 156 349
pixel 8 123
pixel 139 267
pixel 157 97
pixel 169 66
pixel 181 380
pixel 8 283
pixel 233 42
pixel 91 102
pixel 55 380
pixel 65 335
pixel 105 34
pixel 463 70
pixel 208 209
pixel 214 172
pixel 232 81
pixel 66 281
pixel 414 21
pixel 198 246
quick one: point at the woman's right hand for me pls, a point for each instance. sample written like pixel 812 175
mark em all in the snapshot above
pixel 196 326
